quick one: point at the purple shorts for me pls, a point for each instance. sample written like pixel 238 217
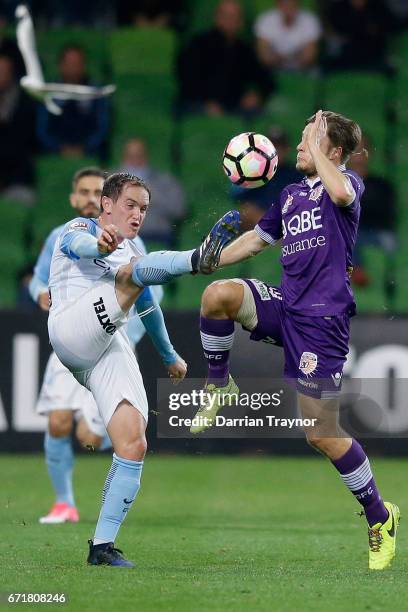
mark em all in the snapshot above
pixel 315 348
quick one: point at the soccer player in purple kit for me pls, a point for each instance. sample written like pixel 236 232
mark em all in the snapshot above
pixel 315 222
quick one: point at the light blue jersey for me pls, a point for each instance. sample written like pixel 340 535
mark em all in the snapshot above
pixel 39 283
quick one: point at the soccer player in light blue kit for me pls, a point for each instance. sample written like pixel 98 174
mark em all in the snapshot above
pixel 96 275
pixel 61 395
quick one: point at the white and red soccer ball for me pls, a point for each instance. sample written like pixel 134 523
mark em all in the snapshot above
pixel 250 160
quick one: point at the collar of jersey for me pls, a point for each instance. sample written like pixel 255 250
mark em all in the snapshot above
pixel 313 182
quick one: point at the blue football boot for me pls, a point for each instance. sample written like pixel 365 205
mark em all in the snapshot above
pixel 207 257
pixel 106 554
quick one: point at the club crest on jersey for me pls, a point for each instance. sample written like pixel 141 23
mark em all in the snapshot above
pixel 308 363
pixel 77 225
pixel 316 193
pixel 286 205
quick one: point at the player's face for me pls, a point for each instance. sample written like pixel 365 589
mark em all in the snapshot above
pixel 86 199
pixel 304 159
pixel 129 210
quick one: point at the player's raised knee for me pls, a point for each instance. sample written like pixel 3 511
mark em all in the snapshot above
pixel 326 446
pixel 60 423
pixel 134 450
pixel 221 297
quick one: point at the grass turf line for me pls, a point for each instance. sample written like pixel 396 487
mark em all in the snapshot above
pixel 207 533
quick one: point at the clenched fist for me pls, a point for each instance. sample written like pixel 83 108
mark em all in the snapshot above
pixel 108 240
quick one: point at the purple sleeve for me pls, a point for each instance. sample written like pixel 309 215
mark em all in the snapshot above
pixel 358 187
pixel 269 227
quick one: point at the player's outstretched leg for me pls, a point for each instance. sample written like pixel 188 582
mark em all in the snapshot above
pixel 220 305
pixel 59 458
pixel 126 429
pixel 161 267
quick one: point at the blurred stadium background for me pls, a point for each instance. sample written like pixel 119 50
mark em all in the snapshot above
pixel 141 62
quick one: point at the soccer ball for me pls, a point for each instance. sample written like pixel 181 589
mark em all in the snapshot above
pixel 250 160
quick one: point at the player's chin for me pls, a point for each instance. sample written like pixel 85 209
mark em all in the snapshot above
pixel 131 233
pixel 90 212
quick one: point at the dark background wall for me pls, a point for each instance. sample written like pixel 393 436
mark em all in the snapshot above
pixel 379 350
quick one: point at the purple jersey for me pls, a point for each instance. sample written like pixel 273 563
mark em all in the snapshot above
pixel 318 238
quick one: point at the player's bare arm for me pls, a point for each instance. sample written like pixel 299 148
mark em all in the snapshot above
pixel 326 159
pixel 44 301
pixel 247 245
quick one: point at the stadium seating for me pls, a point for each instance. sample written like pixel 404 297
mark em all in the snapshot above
pixel 54 176
pixel 201 15
pixel 143 108
pixel 364 97
pixel 142 61
pixel 142 51
pixel 295 99
pixel 203 140
pixel 51 42
pixel 13 254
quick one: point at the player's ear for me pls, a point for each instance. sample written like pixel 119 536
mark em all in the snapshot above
pixel 106 204
pixel 336 152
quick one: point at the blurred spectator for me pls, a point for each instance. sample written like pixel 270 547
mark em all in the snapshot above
pixel 150 13
pixel 255 202
pixel 17 136
pixel 219 72
pixel 82 128
pixel 8 46
pixel 357 33
pixel 376 227
pixel 288 37
pixel 167 208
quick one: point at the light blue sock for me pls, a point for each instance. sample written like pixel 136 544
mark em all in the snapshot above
pixel 161 267
pixel 119 492
pixel 60 462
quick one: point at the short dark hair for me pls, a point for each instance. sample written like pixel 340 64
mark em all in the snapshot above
pixel 114 184
pixel 342 132
pixel 88 171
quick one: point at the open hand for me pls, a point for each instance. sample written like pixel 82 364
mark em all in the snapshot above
pixel 316 130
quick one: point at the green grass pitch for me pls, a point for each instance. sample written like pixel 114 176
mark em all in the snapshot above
pixel 208 533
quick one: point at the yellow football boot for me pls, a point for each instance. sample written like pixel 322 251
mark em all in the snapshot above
pixel 381 539
pixel 217 398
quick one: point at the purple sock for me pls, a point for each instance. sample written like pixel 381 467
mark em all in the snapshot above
pixel 355 471
pixel 217 337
